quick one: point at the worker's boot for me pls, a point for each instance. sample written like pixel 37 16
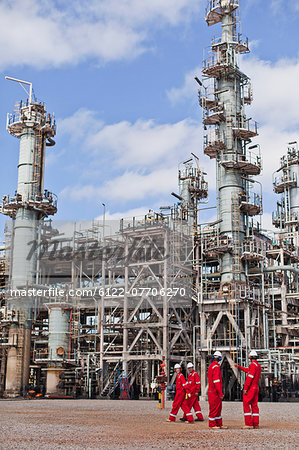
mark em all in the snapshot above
pixel 198 420
pixel 182 419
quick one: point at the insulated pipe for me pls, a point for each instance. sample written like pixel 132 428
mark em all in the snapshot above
pixel 50 142
pixel 283 268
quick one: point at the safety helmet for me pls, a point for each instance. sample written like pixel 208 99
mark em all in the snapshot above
pixel 177 366
pixel 217 354
pixel 189 365
pixel 253 353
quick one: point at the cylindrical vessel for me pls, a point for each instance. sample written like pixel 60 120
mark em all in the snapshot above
pixel 59 332
pixel 58 347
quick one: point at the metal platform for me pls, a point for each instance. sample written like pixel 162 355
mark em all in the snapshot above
pixel 284 183
pixel 249 208
pixel 214 118
pixel 208 103
pixel 252 256
pixel 214 68
pixel 244 133
pixel 215 10
pixel 212 149
pixel 248 167
pixel 239 45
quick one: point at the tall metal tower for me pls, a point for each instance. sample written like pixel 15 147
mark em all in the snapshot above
pixel 228 133
pixel 193 189
pixel 30 204
pixel 230 312
pixel 286 219
pixel 286 183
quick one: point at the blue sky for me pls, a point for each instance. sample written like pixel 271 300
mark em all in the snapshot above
pixel 119 76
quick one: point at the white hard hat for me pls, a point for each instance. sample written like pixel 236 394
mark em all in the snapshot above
pixel 189 365
pixel 177 366
pixel 217 353
pixel 253 353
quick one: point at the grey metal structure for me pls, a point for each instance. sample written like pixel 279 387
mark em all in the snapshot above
pixel 286 183
pixel 35 129
pixel 286 251
pixel 224 111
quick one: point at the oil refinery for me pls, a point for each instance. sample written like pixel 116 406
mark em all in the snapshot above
pixel 86 313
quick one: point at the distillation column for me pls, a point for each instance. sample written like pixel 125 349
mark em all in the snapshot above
pixel 225 91
pixel 35 129
pixel 228 134
pixel 193 189
pixel 286 219
pixel 286 182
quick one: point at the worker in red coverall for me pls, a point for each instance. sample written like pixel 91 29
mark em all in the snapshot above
pixel 251 392
pixel 194 388
pixel 182 388
pixel 215 394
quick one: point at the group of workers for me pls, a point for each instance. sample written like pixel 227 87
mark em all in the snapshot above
pixel 187 393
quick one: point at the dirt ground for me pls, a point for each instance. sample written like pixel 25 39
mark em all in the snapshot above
pixel 108 424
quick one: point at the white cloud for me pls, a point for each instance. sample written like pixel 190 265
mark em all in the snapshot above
pixel 144 143
pixel 275 107
pixel 127 162
pixel 80 124
pixel 131 185
pixel 135 161
pixel 277 5
pixel 188 90
pixel 44 33
pixel 275 89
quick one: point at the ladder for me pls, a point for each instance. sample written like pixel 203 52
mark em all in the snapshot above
pixel 236 236
pixel 228 127
pixel 37 164
pixel 236 267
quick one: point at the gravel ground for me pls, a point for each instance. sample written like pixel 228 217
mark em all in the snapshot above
pixel 108 424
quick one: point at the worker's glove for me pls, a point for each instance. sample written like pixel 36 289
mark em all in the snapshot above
pixel 245 392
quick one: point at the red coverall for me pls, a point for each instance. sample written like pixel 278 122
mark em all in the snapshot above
pixel 214 394
pixel 250 406
pixel 194 387
pixel 181 389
